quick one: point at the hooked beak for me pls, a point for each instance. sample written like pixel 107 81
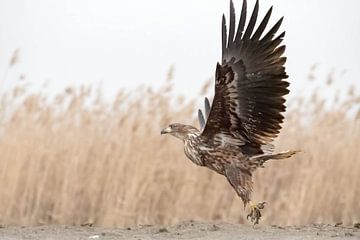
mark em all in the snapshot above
pixel 166 130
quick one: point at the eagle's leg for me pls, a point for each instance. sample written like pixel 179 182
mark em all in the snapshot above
pixel 240 179
pixel 255 212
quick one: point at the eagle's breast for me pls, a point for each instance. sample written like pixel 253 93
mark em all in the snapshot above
pixel 192 151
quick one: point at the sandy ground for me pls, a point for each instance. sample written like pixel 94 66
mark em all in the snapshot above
pixel 185 230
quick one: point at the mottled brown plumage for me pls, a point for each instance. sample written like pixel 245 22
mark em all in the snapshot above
pixel 246 112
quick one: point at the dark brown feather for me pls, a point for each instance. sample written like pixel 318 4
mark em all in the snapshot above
pixel 232 25
pixel 241 23
pixel 249 85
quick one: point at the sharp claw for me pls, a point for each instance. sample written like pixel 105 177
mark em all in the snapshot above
pixel 261 205
pixel 255 213
pixel 250 215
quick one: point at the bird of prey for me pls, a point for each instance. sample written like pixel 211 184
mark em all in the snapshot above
pixel 246 112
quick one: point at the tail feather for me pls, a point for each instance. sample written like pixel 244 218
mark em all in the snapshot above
pixel 259 160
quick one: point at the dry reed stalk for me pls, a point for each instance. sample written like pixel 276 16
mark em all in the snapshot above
pixel 69 162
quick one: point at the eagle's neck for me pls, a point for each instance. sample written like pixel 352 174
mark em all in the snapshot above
pixel 191 148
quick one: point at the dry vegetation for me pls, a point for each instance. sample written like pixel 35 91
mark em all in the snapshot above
pixel 77 159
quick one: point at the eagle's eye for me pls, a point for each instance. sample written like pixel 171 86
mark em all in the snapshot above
pixel 174 125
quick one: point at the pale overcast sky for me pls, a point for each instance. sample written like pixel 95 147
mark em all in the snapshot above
pixel 127 43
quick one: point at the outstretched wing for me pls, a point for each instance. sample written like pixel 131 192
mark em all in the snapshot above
pixel 249 85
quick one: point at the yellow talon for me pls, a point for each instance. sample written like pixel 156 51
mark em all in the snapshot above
pixel 252 205
pixel 255 213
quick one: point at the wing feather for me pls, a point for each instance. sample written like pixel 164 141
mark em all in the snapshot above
pixel 241 23
pixel 249 85
pixel 207 107
pixel 201 119
pixel 272 31
pixel 223 35
pixel 232 25
pixel 262 26
pixel 252 22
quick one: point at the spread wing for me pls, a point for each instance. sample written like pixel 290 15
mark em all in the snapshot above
pixel 249 85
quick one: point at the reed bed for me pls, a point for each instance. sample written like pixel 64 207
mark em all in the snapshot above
pixel 76 158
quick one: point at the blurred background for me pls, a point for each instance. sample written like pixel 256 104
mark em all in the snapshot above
pixel 86 86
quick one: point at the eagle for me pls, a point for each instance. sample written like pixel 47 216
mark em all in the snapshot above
pixel 237 128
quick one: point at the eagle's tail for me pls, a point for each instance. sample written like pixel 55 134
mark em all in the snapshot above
pixel 259 160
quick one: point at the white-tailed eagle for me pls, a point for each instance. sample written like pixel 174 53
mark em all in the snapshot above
pixel 245 115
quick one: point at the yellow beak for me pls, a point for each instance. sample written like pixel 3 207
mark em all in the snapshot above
pixel 166 130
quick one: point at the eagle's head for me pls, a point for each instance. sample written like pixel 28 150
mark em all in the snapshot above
pixel 180 131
